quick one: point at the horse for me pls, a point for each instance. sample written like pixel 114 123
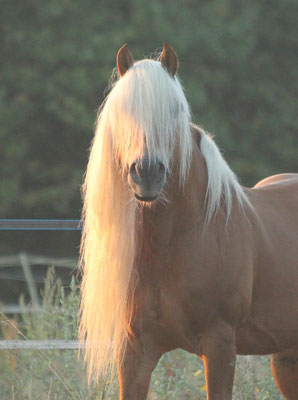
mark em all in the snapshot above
pixel 175 252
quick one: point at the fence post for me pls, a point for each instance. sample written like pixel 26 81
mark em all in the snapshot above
pixel 29 279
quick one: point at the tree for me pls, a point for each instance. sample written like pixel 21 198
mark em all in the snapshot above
pixel 238 63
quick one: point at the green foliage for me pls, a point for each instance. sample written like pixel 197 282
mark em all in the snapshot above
pixel 253 380
pixel 50 374
pixel 238 64
pixel 61 374
pixel 58 319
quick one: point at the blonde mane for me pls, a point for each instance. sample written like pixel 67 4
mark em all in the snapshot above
pixel 223 186
pixel 146 108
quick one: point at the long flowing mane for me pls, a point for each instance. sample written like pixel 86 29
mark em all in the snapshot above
pixel 148 108
pixel 145 108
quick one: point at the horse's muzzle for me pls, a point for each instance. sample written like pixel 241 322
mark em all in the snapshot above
pixel 147 178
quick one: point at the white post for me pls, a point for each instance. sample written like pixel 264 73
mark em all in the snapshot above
pixel 29 279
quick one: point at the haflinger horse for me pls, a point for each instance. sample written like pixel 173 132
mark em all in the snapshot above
pixel 176 253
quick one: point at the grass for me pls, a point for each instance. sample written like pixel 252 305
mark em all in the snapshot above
pixel 61 375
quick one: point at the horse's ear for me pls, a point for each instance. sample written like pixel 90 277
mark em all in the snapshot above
pixel 124 59
pixel 169 59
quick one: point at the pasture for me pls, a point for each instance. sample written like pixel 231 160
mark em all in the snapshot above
pixel 60 374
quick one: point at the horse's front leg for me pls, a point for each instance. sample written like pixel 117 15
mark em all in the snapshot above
pixel 134 372
pixel 219 356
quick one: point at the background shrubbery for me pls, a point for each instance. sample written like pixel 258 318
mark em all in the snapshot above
pixel 238 63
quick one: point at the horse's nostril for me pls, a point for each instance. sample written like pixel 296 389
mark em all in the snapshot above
pixel 161 168
pixel 132 168
pixel 134 172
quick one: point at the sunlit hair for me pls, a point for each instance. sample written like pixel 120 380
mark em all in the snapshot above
pixel 145 110
pixel 223 186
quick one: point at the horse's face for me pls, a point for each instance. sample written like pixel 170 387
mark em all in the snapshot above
pixel 147 178
pixel 151 122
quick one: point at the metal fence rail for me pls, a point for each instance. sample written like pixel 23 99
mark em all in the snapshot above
pixel 33 259
pixel 41 224
pixel 40 345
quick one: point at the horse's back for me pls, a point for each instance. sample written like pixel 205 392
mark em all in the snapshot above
pixel 278 179
pixel 276 197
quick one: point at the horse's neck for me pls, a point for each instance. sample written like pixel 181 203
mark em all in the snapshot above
pixel 185 207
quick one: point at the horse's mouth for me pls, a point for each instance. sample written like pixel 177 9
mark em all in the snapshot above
pixel 145 198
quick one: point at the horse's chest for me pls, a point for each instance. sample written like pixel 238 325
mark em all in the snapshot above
pixel 174 312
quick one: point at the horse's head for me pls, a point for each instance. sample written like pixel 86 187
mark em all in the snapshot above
pixel 152 121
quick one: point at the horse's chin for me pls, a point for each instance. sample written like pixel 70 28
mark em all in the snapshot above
pixel 146 199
